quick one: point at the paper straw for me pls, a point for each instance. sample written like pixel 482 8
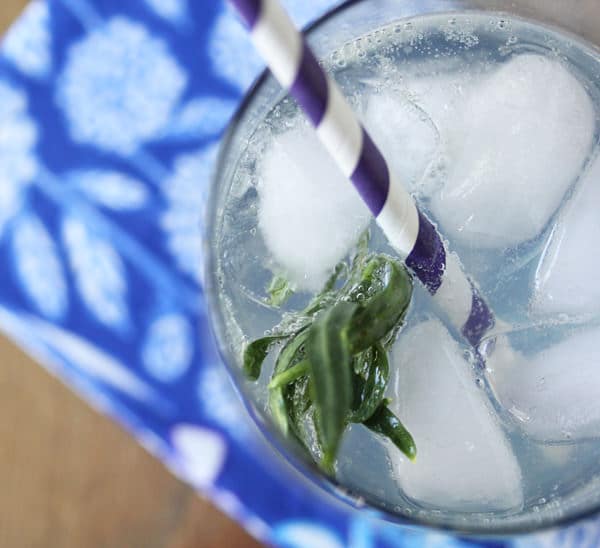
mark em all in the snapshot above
pixel 291 61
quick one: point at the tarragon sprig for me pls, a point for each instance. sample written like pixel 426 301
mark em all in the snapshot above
pixel 333 369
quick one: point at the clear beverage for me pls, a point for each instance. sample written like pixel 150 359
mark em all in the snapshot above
pixel 493 124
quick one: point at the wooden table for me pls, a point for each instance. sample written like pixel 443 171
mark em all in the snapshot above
pixel 70 478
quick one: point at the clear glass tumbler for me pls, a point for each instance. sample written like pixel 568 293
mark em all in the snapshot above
pixel 351 20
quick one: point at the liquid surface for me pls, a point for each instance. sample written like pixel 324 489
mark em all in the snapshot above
pixel 493 125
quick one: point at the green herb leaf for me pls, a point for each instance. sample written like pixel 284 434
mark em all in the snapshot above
pixel 329 355
pixel 360 256
pixel 384 422
pixel 293 352
pixel 369 392
pixel 339 269
pixel 384 293
pixel 298 399
pixel 290 375
pixel 362 363
pixel 279 291
pixel 279 410
pixel 255 354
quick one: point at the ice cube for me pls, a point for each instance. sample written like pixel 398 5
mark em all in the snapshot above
pixel 309 213
pixel 405 133
pixel 566 280
pixel 442 92
pixel 553 395
pixel 464 461
pixel 524 135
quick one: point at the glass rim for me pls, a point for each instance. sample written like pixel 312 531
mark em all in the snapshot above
pixel 282 448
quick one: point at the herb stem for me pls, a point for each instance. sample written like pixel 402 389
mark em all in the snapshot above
pixel 290 375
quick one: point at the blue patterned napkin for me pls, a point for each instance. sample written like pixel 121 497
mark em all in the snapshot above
pixel 110 115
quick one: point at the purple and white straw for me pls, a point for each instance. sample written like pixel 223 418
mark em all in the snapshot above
pixel 292 62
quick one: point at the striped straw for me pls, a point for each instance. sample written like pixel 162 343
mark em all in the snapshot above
pixel 292 62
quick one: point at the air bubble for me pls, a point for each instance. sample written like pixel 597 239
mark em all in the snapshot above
pixel 502 24
pixel 541 384
pixel 504 51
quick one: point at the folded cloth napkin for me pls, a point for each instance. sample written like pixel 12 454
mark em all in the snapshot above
pixel 110 116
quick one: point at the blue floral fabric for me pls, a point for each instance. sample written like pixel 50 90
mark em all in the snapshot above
pixel 110 115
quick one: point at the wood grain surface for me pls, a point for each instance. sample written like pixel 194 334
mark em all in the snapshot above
pixel 70 478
